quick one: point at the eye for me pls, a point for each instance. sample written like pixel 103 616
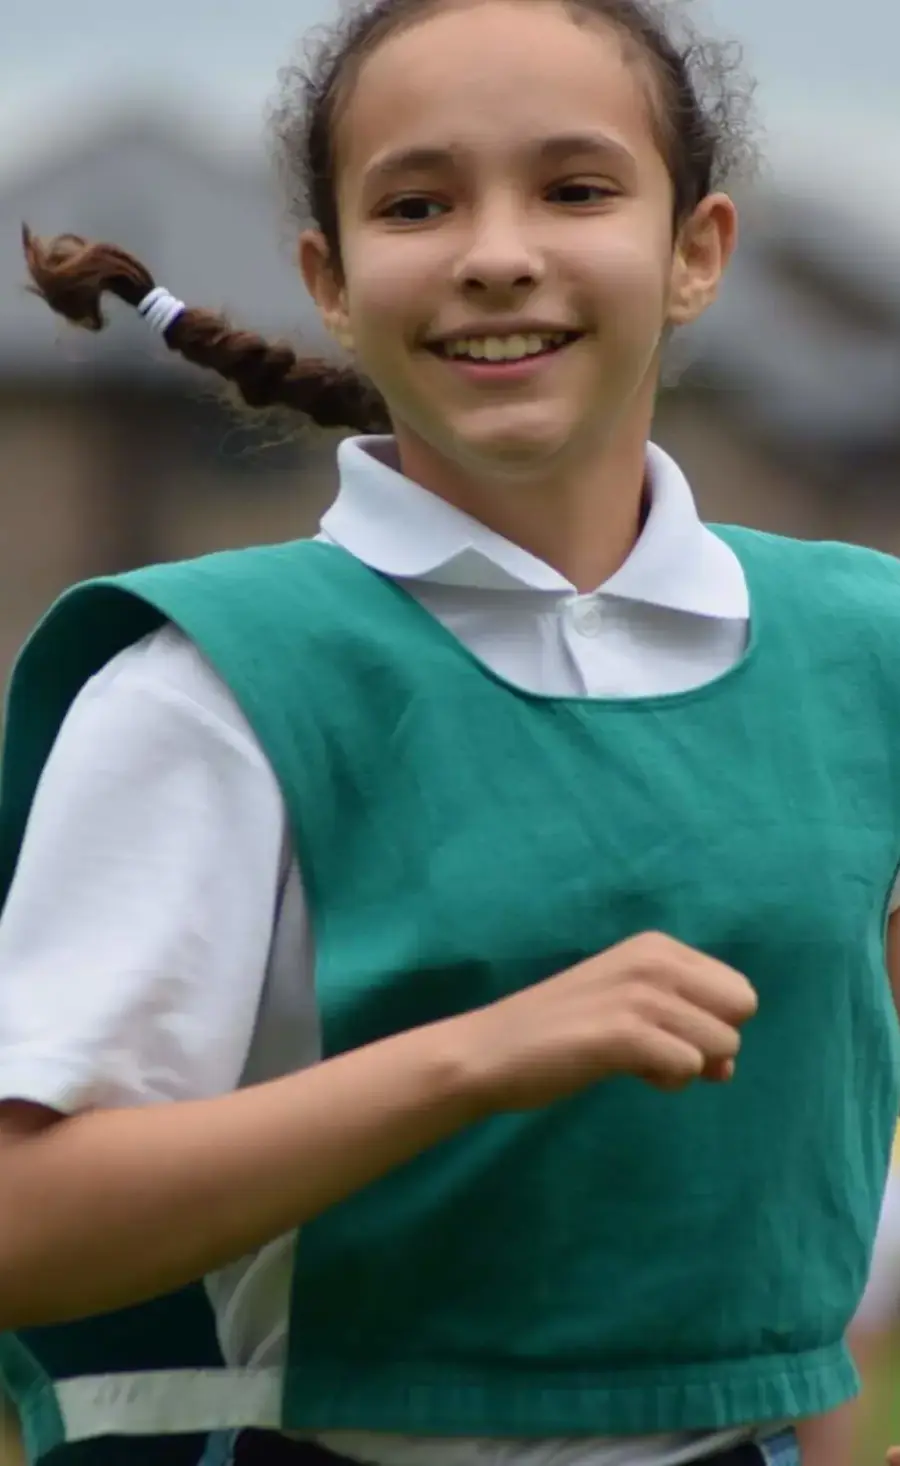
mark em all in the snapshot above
pixel 413 208
pixel 580 192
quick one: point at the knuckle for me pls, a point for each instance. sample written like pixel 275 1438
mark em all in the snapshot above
pixel 643 999
pixel 628 1028
pixel 650 953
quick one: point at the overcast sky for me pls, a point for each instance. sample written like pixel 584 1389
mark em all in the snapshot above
pixel 828 71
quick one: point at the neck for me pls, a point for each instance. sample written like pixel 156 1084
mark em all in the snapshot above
pixel 582 518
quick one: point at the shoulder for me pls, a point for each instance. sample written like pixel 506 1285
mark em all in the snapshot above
pixel 165 678
pixel 234 594
pixel 295 562
pixel 827 573
pixel 115 625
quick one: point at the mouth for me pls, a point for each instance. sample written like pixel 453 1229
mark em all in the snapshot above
pixel 507 350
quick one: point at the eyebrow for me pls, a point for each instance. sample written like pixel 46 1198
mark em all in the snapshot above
pixel 568 144
pixel 433 159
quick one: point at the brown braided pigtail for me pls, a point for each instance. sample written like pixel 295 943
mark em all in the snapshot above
pixel 72 275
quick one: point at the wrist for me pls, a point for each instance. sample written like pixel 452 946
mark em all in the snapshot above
pixel 461 1072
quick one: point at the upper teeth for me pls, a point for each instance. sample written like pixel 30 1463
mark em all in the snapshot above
pixel 503 348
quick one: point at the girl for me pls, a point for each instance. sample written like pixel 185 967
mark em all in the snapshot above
pixel 378 906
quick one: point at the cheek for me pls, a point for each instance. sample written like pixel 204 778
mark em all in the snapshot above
pixel 627 260
pixel 383 291
pixel 632 267
pixel 630 281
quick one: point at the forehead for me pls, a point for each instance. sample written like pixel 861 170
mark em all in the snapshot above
pixel 490 76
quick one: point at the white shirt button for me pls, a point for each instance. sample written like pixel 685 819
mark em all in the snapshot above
pixel 587 617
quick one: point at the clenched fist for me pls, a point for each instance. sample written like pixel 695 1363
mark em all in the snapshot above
pixel 650 1007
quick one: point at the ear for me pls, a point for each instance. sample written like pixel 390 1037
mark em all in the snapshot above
pixel 322 280
pixel 705 244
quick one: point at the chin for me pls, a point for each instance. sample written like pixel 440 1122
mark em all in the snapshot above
pixel 515 451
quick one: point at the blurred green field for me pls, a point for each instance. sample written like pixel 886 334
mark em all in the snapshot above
pixel 882 1412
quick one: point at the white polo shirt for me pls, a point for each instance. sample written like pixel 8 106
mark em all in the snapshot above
pixel 155 944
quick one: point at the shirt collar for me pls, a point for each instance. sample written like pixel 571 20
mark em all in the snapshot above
pixel 401 530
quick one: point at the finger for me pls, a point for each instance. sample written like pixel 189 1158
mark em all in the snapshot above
pixel 715 1039
pixel 717 988
pixel 719 1071
pixel 664 1060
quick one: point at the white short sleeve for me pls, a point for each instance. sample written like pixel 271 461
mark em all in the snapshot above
pixel 135 939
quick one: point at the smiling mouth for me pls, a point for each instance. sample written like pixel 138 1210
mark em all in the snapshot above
pixel 498 350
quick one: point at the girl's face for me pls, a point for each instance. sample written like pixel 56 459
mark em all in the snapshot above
pixel 508 264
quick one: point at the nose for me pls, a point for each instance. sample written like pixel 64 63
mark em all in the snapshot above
pixel 501 258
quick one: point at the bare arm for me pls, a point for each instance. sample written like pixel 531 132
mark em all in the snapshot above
pixel 110 1206
pixel 828 1440
pixel 105 1208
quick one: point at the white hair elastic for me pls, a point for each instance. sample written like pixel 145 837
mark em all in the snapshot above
pixel 160 309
